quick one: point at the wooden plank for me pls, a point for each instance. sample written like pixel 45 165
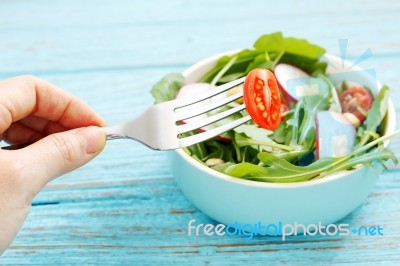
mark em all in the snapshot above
pixel 126 35
pixel 148 229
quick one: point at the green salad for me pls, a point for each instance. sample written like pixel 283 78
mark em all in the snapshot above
pixel 322 127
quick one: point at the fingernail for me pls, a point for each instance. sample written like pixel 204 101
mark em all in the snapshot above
pixel 95 139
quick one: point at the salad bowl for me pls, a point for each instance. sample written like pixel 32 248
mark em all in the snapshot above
pixel 227 199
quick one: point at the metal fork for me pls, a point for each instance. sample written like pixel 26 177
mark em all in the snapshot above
pixel 157 127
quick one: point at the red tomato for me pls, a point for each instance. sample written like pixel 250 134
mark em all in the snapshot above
pixel 356 100
pixel 262 98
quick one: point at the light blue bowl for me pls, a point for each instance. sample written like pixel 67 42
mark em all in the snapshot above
pixel 231 200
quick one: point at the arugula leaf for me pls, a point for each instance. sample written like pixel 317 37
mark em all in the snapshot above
pixel 366 159
pixel 281 171
pixel 279 134
pixel 167 88
pixel 222 167
pixel 243 140
pixel 198 150
pixel 334 99
pixel 294 123
pixel 378 110
pixel 273 161
pixel 220 150
pixel 303 124
pixel 254 132
pixel 375 116
pixel 223 71
pixel 243 59
pixel 292 156
pixel 313 104
pixel 231 77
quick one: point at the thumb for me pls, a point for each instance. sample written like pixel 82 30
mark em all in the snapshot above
pixel 58 154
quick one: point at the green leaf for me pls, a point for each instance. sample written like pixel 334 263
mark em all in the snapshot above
pixel 374 118
pixel 273 160
pixel 295 122
pixel 226 120
pixel 270 49
pixel 366 159
pixel 216 149
pixel 244 170
pixel 222 167
pixel 310 105
pixel 334 99
pixel 266 143
pixel 267 174
pixel 197 159
pixel 198 150
pixel 378 110
pixel 273 42
pixel 260 62
pixel 303 48
pixel 280 171
pixel 243 59
pixel 224 70
pixel 231 77
pixel 297 52
pixel 255 132
pixel 279 134
pixel 291 156
pixel 167 88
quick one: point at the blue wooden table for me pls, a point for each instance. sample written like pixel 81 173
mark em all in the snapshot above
pixel 125 207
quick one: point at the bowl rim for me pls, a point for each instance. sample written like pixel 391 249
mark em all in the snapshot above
pixel 390 127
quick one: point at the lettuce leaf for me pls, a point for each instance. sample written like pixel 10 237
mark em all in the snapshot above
pixel 167 88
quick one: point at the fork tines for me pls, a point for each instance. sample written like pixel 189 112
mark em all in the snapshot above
pixel 187 108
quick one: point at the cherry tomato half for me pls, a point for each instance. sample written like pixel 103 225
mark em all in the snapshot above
pixel 262 98
pixel 356 100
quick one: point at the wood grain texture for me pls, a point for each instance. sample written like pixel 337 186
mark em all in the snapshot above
pixel 124 207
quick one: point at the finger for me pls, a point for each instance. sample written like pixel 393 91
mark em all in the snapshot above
pixel 18 133
pixel 37 123
pixel 30 129
pixel 57 154
pixel 42 125
pixel 25 95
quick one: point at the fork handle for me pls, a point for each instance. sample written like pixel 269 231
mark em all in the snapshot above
pixel 114 132
pixel 111 133
pixel 17 146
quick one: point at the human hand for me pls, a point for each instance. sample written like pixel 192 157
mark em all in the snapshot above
pixel 67 133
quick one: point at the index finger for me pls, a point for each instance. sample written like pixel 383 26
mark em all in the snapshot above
pixel 27 95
